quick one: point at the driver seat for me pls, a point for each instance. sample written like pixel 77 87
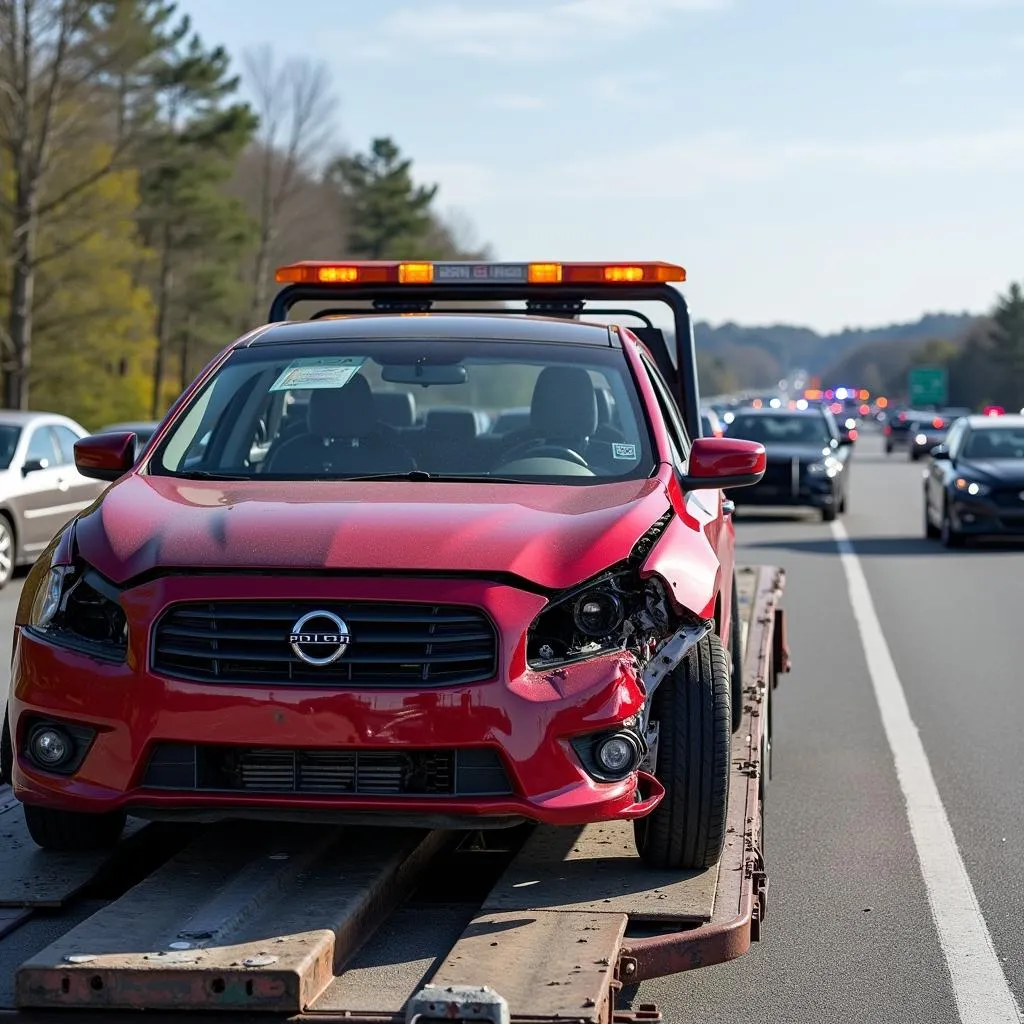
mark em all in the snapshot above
pixel 563 412
pixel 344 437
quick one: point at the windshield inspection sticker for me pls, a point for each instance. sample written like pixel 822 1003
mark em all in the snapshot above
pixel 623 451
pixel 318 372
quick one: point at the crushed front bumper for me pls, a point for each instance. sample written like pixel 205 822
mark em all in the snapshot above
pixel 495 751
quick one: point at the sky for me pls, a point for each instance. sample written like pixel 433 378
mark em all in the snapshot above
pixel 827 163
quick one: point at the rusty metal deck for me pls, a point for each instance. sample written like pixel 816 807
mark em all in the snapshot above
pixel 325 924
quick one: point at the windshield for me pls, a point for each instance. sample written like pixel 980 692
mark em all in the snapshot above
pixel 995 443
pixel 326 411
pixel 781 429
pixel 9 435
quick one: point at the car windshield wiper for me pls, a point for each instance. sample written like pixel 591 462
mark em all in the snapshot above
pixel 206 474
pixel 422 474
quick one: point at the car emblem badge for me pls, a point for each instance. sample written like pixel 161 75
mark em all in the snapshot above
pixel 333 641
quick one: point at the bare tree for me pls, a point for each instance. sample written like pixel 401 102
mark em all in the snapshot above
pixel 61 85
pixel 295 105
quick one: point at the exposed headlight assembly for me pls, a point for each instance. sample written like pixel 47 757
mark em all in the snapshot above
pixel 75 607
pixel 587 620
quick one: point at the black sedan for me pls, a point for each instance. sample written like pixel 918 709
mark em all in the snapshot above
pixel 974 486
pixel 808 459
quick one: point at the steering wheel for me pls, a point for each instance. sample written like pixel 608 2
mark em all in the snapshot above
pixel 538 448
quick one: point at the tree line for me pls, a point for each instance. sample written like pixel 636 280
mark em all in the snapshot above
pixel 144 203
pixel 985 363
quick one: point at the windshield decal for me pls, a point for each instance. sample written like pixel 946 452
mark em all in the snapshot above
pixel 317 372
pixel 623 451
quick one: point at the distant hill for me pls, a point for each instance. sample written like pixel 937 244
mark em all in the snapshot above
pixel 735 356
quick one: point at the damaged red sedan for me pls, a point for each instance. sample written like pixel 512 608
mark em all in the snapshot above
pixel 455 570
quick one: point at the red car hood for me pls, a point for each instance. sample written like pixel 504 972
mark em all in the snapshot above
pixel 554 536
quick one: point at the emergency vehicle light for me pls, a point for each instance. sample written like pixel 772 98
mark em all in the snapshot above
pixel 361 272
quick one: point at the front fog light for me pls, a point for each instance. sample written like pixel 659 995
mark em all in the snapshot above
pixel 617 755
pixel 50 747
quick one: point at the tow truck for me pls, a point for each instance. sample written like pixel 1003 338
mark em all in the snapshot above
pixel 337 923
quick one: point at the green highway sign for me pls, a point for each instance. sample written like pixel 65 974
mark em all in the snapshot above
pixel 929 385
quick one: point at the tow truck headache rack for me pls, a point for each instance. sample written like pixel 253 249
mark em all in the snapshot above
pixel 388 926
pixel 545 289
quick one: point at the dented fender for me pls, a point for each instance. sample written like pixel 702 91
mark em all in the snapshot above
pixel 685 558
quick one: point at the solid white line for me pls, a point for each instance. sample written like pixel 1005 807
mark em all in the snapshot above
pixel 979 984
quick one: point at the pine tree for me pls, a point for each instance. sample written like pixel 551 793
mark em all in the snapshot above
pixel 390 215
pixel 1007 347
pixel 186 211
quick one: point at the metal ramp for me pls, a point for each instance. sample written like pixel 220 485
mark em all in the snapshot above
pixel 339 924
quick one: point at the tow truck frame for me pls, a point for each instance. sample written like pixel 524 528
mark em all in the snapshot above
pixel 400 926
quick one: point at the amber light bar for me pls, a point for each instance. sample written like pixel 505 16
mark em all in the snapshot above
pixel 363 272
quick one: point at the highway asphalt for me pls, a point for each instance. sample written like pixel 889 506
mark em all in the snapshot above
pixel 849 934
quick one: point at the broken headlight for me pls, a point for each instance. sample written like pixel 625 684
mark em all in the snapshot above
pixel 592 619
pixel 76 607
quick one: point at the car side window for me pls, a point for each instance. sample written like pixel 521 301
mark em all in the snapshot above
pixel 670 414
pixel 66 439
pixel 41 447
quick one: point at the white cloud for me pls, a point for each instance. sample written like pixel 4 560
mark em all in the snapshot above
pixel 526 32
pixel 515 101
pixel 671 170
pixel 626 88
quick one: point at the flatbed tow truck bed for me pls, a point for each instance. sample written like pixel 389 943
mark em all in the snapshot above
pixel 328 924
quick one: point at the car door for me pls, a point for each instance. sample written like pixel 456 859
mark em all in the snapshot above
pixel 80 490
pixel 40 494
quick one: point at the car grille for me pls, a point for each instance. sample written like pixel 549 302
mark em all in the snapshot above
pixel 276 770
pixel 392 645
pixel 777 479
pixel 1009 497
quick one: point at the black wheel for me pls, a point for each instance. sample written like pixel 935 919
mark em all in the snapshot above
pixel 843 503
pixel 686 831
pixel 736 650
pixel 888 448
pixel 950 537
pixel 828 513
pixel 6 751
pixel 931 532
pixel 69 830
pixel 7 552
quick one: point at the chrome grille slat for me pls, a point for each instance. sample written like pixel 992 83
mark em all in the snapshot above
pixel 393 645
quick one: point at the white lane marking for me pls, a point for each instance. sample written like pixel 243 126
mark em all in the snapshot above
pixel 979 984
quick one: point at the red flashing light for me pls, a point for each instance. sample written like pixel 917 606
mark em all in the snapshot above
pixel 887 430
pixel 852 434
pixel 994 410
pixel 830 394
pixel 938 423
pixel 902 416
pixel 865 410
pixel 836 407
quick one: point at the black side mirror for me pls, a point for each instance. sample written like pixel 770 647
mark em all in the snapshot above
pixel 34 465
pixel 940 453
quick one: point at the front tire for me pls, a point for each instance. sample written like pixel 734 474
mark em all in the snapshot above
pixel 930 532
pixel 7 551
pixel 828 513
pixel 71 831
pixel 949 536
pixel 686 831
